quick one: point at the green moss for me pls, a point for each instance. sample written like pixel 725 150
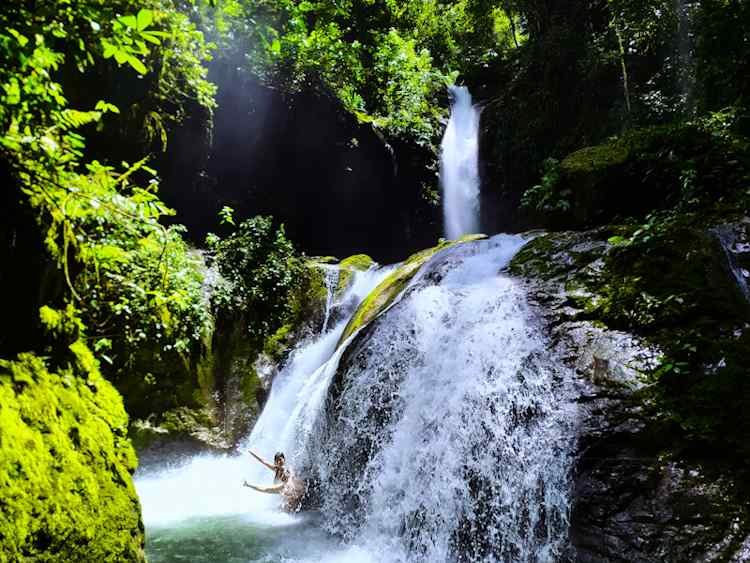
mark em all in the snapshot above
pixel 65 465
pixel 204 368
pixel 592 159
pixel 384 294
pixel 361 262
pixel 308 298
pixel 250 387
pixel 347 267
pixel 684 167
pixel 324 259
pixel 184 420
pixel 277 344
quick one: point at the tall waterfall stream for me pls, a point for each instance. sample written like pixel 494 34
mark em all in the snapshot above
pixel 459 166
pixel 443 431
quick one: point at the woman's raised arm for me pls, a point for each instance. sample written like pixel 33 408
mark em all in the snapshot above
pixel 256 456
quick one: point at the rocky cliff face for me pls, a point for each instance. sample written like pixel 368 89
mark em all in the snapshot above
pixel 339 186
pixel 661 472
pixel 224 383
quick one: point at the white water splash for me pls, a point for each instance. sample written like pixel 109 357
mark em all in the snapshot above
pixel 211 485
pixel 459 167
pixel 331 282
pixel 453 437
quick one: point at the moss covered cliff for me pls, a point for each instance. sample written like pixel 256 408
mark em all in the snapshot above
pixel 66 464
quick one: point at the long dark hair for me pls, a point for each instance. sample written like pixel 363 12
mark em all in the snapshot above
pixel 279 473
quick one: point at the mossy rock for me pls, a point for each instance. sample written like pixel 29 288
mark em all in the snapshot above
pixel 347 267
pixel 197 427
pixel 360 262
pixel 385 293
pixel 324 259
pixel 595 159
pixel 672 287
pixel 683 167
pixel 307 307
pixel 311 294
pixel 66 465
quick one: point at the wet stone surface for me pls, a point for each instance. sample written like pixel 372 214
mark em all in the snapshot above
pixel 642 490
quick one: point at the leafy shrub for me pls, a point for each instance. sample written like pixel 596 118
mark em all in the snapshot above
pixel 409 86
pixel 544 196
pixel 260 271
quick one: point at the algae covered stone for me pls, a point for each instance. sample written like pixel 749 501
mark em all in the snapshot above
pixel 385 293
pixel 347 267
pixel 66 465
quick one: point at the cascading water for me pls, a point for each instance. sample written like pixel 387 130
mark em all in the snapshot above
pixel 459 166
pixel 196 508
pixel 450 434
pixel 331 281
pixel 732 248
pixel 443 431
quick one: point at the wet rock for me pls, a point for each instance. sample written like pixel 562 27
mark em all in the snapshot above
pixel 646 486
pixel 271 155
pixel 160 445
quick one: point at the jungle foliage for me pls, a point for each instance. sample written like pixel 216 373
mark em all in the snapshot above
pixel 388 61
pixel 131 281
pixel 259 271
pixel 130 278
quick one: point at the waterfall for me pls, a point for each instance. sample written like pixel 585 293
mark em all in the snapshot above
pixel 684 40
pixel 331 282
pixel 210 485
pixel 459 166
pixel 451 436
pixel 443 431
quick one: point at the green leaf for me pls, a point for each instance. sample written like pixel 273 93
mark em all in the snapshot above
pixel 150 37
pixel 105 107
pixel 111 253
pixel 109 49
pixel 145 18
pixel 617 241
pixel 121 56
pixel 227 215
pixel 275 47
pixel 139 67
pixel 129 21
pixel 22 40
pixel 12 92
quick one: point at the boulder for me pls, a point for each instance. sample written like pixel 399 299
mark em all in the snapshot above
pixel 66 465
pixel 654 330
pixel 386 292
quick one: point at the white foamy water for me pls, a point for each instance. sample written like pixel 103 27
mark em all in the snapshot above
pixel 459 166
pixel 453 436
pixel 331 281
pixel 211 485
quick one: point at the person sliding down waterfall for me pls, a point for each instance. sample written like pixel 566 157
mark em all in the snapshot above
pixel 285 484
